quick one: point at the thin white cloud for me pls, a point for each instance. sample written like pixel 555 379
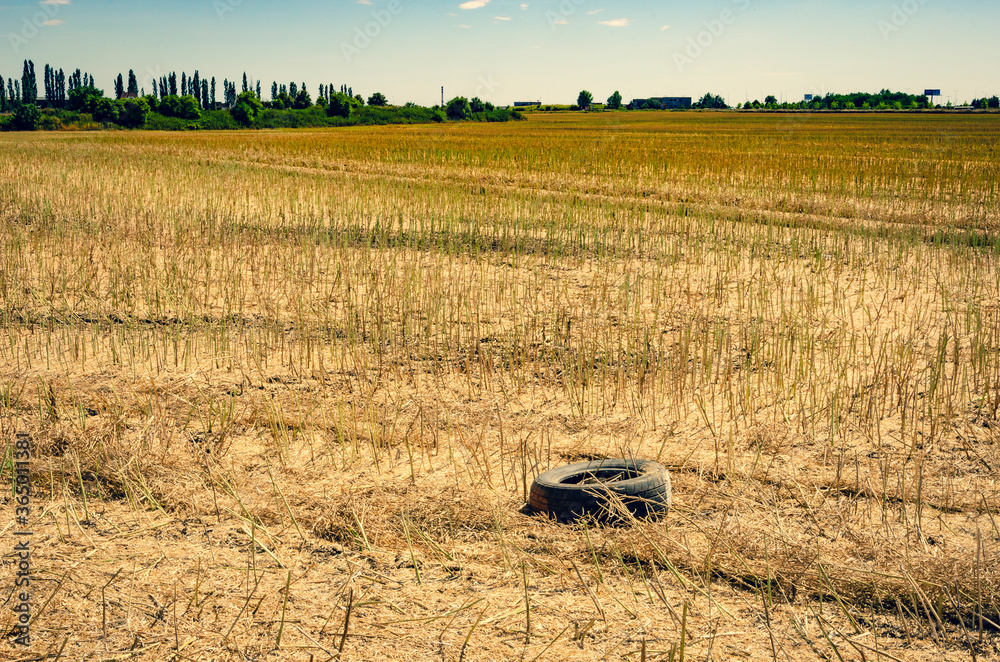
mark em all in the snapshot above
pixel 502 18
pixel 364 2
pixel 56 2
pixel 54 21
pixel 474 4
pixel 664 28
pixel 561 21
pixel 465 27
pixel 617 23
pixel 524 5
pixel 595 11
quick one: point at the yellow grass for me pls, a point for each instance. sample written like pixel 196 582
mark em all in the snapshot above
pixel 284 386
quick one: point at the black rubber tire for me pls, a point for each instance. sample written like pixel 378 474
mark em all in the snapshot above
pixel 562 493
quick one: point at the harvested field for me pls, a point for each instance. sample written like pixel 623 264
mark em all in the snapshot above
pixel 287 391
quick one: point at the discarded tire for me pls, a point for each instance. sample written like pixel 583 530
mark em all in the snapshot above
pixel 601 489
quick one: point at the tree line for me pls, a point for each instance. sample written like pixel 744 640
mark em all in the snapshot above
pixel 883 100
pixel 193 97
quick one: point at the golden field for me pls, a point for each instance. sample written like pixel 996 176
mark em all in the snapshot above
pixel 288 390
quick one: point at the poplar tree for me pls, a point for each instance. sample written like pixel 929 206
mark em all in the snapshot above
pixel 29 87
pixel 61 88
pixel 133 84
pixel 119 87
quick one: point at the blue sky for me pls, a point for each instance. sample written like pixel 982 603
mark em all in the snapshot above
pixel 507 50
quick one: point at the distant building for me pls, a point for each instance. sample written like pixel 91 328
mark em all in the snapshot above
pixel 663 103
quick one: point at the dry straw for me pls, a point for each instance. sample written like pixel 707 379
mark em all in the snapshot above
pixel 299 382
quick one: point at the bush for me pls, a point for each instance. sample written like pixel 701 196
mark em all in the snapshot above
pixel 107 111
pixel 217 120
pixel 185 107
pixel 26 118
pixel 159 122
pixel 459 109
pixel 133 112
pixel 340 106
pixel 247 107
pixel 50 120
pixel 83 98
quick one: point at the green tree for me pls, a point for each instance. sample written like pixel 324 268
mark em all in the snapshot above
pixel 133 84
pixel 119 87
pixel 340 105
pixel 476 105
pixel 133 113
pixel 585 100
pixel 378 99
pixel 106 110
pixel 458 109
pixel 185 107
pixel 84 98
pixel 712 101
pixel 29 85
pixel 771 101
pixel 302 99
pixel 26 118
pixel 247 107
pixel 615 100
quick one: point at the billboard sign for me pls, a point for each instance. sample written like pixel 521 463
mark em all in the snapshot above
pixel 932 93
